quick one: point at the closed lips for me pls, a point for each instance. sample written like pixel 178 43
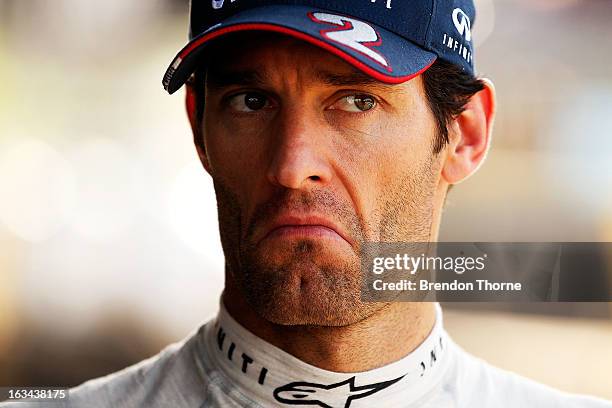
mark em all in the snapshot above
pixel 311 225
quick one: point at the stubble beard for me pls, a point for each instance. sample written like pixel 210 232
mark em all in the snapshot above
pixel 299 285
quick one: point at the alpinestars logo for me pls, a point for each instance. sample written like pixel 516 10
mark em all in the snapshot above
pixel 338 395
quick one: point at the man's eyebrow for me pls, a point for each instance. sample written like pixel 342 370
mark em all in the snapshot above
pixel 220 78
pixel 351 79
pixel 223 78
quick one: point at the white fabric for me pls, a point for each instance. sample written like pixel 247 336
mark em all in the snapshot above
pixel 289 380
pixel 199 372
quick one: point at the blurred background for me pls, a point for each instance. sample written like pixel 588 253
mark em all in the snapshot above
pixel 109 247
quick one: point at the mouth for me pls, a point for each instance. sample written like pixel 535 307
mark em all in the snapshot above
pixel 304 227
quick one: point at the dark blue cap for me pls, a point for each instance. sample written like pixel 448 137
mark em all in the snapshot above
pixel 390 40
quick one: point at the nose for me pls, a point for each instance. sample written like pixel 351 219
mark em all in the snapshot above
pixel 299 156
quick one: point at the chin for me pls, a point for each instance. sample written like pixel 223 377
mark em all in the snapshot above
pixel 305 283
pixel 314 312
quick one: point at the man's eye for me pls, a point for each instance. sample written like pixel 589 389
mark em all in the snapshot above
pixel 355 103
pixel 249 102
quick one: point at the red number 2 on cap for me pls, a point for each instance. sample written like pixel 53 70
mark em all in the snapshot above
pixel 352 33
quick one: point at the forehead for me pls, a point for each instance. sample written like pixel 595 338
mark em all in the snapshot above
pixel 262 49
pixel 259 56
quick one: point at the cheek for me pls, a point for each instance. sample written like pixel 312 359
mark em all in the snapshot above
pixel 234 153
pixel 407 150
pixel 400 167
pixel 408 143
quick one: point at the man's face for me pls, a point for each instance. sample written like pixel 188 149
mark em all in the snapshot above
pixel 310 158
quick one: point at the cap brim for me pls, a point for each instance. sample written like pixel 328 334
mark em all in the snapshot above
pixel 375 51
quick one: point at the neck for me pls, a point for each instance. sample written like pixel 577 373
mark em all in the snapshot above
pixel 384 337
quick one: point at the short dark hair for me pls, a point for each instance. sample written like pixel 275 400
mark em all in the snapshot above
pixel 448 89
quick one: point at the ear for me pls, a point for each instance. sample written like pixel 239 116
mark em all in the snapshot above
pixel 470 136
pixel 191 105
